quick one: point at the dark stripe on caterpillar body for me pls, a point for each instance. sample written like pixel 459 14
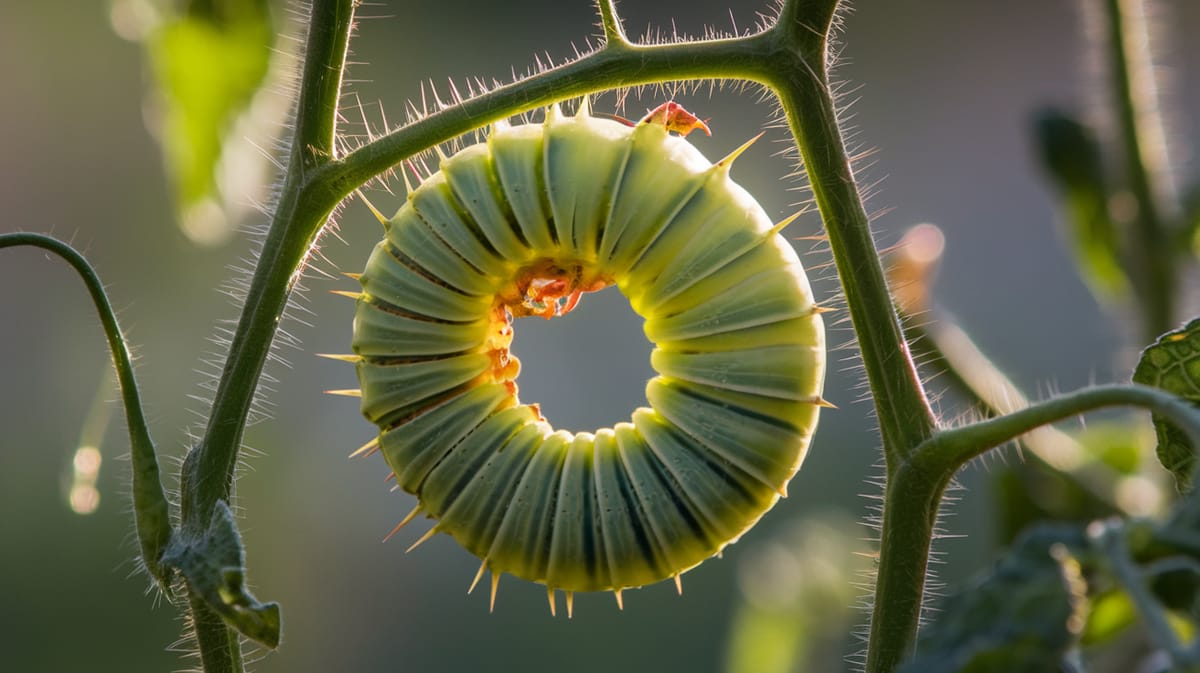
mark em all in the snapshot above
pixel 521 225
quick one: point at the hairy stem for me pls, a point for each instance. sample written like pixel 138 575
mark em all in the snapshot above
pixel 954 447
pixel 943 346
pixel 207 475
pixel 905 417
pixel 1140 130
pixel 220 647
pixel 910 508
pixel 150 511
pixel 302 211
pixel 911 495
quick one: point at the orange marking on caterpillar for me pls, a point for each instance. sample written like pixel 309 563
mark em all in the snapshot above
pixel 675 118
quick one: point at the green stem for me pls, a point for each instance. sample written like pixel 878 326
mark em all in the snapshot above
pixel 942 346
pixel 912 494
pixel 1139 125
pixel 801 81
pixel 150 511
pixel 207 474
pixel 910 509
pixel 951 448
pixel 612 66
pixel 220 646
pixel 303 209
pixel 1110 541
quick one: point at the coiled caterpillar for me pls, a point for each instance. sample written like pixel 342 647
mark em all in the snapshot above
pixel 521 225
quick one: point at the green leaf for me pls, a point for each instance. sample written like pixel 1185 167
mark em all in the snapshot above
pixel 207 63
pixel 1173 364
pixel 1112 612
pixel 214 566
pixel 1026 615
pixel 1071 157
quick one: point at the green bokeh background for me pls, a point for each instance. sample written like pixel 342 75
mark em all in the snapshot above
pixel 942 91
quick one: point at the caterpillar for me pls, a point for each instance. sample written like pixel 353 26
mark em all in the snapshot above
pixel 523 224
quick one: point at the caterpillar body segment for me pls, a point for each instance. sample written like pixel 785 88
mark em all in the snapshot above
pixel 522 225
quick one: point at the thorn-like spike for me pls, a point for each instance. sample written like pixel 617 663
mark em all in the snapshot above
pixel 390 476
pixel 678 584
pixel 585 108
pixel 340 357
pixel 346 293
pixel 371 207
pixel 353 392
pixel 783 223
pixel 352 276
pixel 404 522
pixel 550 597
pixel 782 490
pixel 478 576
pixel 570 604
pixel 553 113
pixel 822 402
pixel 408 188
pixel 428 534
pixel 620 601
pixel 727 162
pixel 495 587
pixel 367 449
pixel 818 310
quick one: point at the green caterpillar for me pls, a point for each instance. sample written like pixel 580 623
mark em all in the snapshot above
pixel 521 225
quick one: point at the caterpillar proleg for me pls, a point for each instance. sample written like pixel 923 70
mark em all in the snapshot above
pixel 522 225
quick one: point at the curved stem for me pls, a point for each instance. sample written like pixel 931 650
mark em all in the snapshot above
pixel 915 487
pixel 611 66
pixel 943 346
pixel 954 447
pixel 150 509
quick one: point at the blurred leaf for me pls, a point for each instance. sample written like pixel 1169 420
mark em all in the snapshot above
pixel 796 596
pixel 1026 615
pixel 1112 612
pixel 214 566
pixel 1173 364
pixel 1111 454
pixel 207 62
pixel 1032 491
pixel 1071 155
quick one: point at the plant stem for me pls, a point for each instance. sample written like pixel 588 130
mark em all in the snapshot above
pixel 220 646
pixel 954 447
pixel 303 209
pixel 943 346
pixel 1110 540
pixel 612 66
pixel 905 417
pixel 207 474
pixel 912 494
pixel 1141 136
pixel 150 511
pixel 910 508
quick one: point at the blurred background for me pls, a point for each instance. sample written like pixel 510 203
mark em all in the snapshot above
pixel 943 96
